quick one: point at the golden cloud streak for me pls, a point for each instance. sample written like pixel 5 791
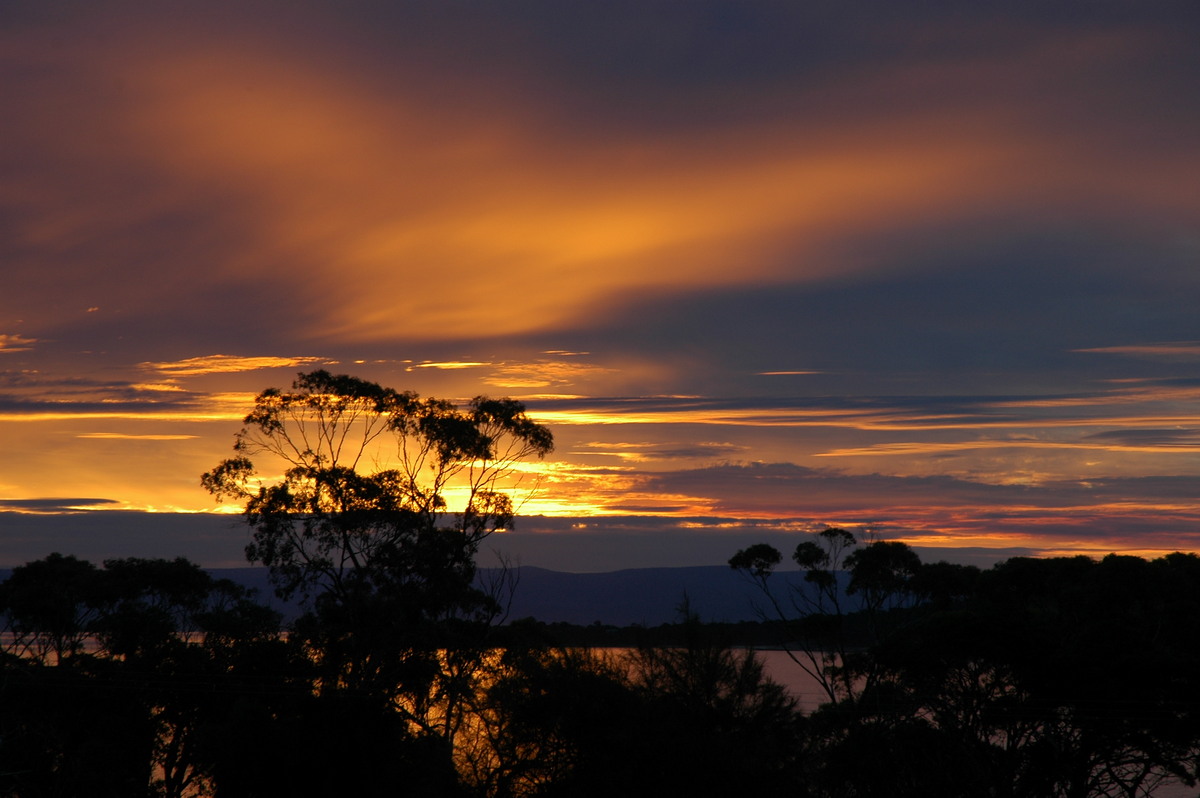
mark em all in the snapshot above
pixel 570 489
pixel 227 364
pixel 514 374
pixel 161 387
pixel 743 417
pixel 452 365
pixel 16 343
pixel 134 437
pixel 544 374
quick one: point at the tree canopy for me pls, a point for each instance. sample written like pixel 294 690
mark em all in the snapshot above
pixel 369 484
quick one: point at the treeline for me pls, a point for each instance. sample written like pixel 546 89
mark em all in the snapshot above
pixel 1038 677
pixel 149 677
pixel 1053 677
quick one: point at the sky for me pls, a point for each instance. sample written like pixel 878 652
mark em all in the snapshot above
pixel 928 271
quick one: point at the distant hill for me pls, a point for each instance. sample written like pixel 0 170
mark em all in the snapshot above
pixel 647 596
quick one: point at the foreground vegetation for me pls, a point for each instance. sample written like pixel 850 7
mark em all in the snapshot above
pixel 1037 678
pixel 1059 677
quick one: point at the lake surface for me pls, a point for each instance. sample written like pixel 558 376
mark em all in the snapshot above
pixel 803 687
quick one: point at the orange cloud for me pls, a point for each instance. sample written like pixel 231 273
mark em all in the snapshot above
pixel 785 373
pixel 225 364
pixel 452 365
pixel 382 209
pixel 389 213
pixel 1178 350
pixel 16 343
pixel 125 436
pixel 545 374
pixel 542 373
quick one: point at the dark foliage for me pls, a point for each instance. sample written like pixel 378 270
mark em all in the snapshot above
pixel 1053 678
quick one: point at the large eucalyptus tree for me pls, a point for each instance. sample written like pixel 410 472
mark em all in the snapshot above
pixel 364 483
pixel 370 504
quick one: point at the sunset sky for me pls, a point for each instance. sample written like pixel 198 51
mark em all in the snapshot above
pixel 932 269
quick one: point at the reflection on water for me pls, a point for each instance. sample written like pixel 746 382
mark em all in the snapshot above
pixel 803 687
pixel 777 664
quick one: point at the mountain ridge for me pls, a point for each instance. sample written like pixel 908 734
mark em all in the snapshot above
pixel 645 596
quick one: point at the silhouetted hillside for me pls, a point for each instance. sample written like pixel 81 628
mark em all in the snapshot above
pixel 646 596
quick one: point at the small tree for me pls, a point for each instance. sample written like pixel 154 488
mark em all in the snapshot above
pixel 841 581
pixel 48 607
pixel 813 612
pixel 143 644
pixel 717 720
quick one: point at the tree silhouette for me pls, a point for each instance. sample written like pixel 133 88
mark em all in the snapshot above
pixel 714 720
pixel 112 678
pixel 331 525
pixel 843 584
pixel 49 607
pixel 382 501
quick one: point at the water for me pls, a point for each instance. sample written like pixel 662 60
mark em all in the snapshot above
pixel 803 687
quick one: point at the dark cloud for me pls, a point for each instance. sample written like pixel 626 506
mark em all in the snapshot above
pixel 70 398
pixel 1150 437
pixel 908 505
pixel 29 378
pixel 212 541
pixel 770 487
pixel 1134 489
pixel 645 62
pixel 972 308
pixel 53 506
pixel 897 412
pixel 565 544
